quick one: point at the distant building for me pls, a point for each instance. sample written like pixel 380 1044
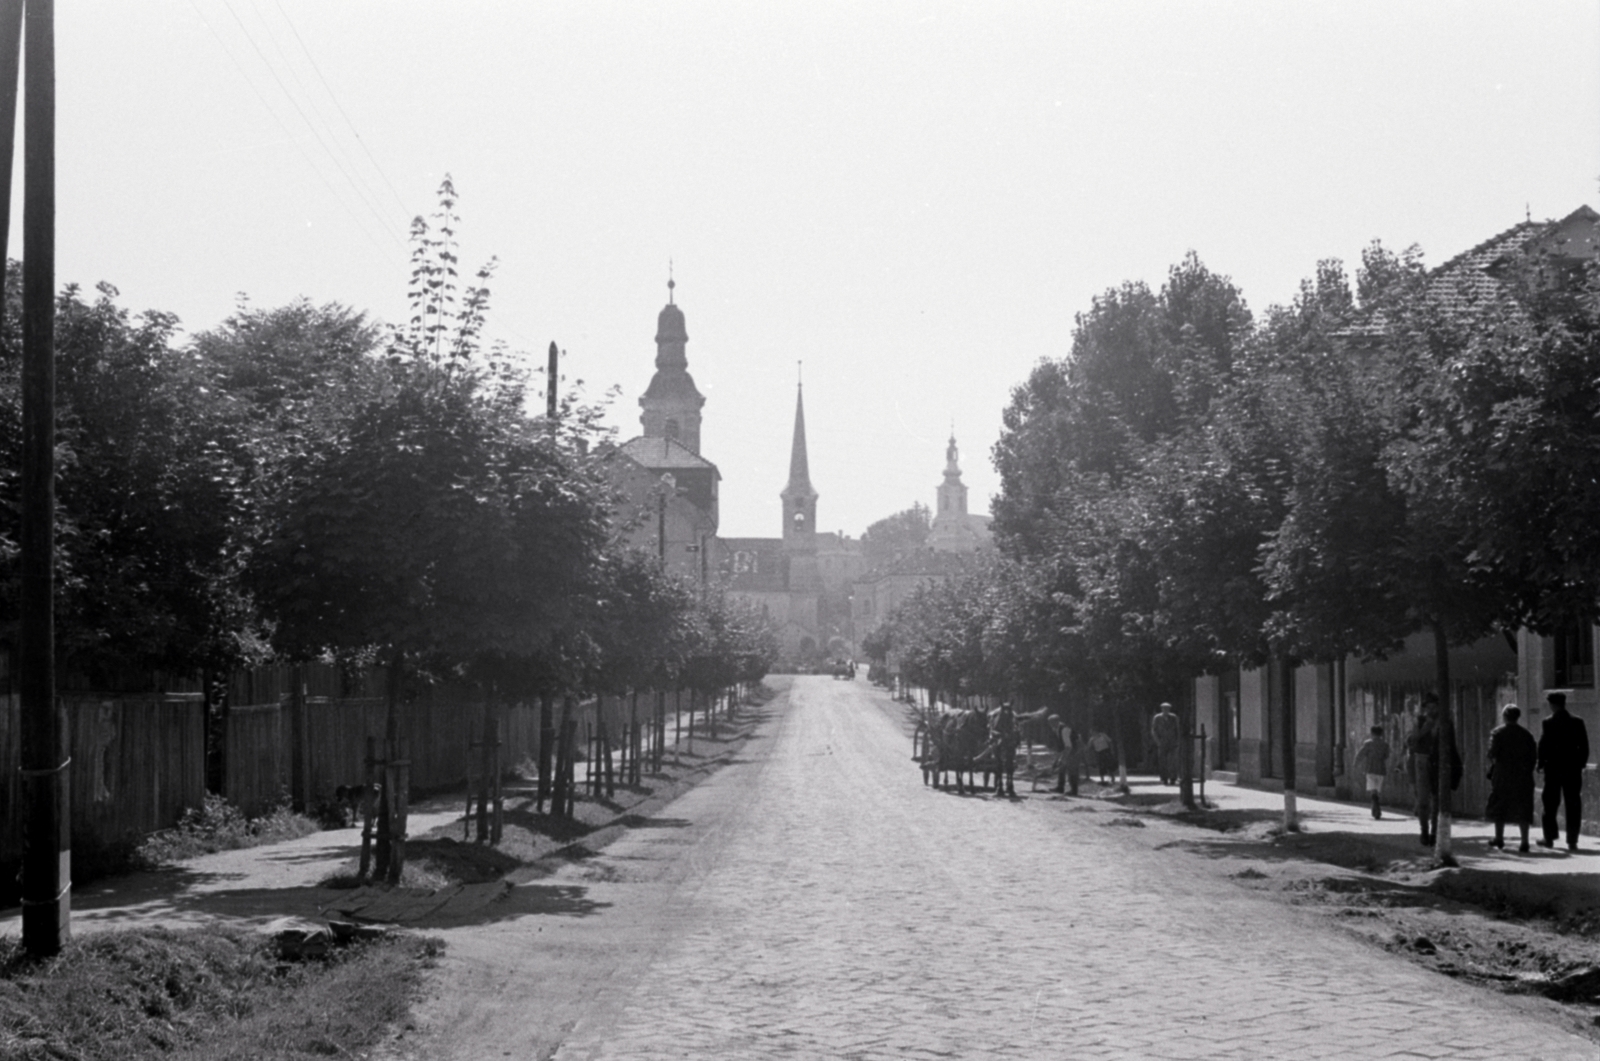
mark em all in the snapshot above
pixel 799 580
pixel 955 538
pixel 954 529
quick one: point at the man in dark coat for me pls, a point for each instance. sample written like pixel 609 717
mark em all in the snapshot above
pixel 1563 754
pixel 1512 757
pixel 1165 735
pixel 1423 753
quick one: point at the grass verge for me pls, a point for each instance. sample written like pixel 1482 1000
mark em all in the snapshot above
pixel 218 825
pixel 217 994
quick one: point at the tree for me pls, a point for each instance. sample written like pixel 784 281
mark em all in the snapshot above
pixel 439 525
pixel 894 536
pixel 151 506
pixel 1099 488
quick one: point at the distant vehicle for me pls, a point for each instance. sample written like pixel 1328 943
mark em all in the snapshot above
pixel 843 669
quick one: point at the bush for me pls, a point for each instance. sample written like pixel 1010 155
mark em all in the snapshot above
pixel 219 994
pixel 218 825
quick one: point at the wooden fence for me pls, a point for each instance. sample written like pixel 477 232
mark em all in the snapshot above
pixel 139 760
pixel 137 763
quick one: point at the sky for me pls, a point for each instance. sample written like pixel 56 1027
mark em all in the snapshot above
pixel 912 199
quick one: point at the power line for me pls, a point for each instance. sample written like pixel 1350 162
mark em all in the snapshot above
pixel 312 60
pixel 364 190
pixel 303 117
pixel 286 132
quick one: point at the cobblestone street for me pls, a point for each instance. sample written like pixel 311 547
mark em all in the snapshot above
pixel 814 899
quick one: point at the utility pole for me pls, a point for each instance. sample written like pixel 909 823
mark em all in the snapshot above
pixel 46 843
pixel 10 50
pixel 550 381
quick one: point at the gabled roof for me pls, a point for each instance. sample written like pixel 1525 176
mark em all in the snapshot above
pixel 1469 279
pixel 664 454
pixel 755 565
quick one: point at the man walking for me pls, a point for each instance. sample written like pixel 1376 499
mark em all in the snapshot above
pixel 1563 754
pixel 1425 757
pixel 1164 731
pixel 1066 764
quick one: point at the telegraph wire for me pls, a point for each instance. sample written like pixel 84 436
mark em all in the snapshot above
pixel 309 124
pixel 365 231
pixel 364 190
pixel 342 113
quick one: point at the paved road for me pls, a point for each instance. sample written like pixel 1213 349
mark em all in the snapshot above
pixel 815 900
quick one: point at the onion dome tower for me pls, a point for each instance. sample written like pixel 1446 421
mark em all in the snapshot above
pixel 672 403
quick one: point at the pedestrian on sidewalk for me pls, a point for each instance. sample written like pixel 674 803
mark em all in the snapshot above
pixel 1563 754
pixel 1372 759
pixel 1100 744
pixel 1424 754
pixel 1513 756
pixel 1164 732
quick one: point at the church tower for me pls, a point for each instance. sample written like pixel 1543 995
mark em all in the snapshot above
pixel 954 530
pixel 799 499
pixel 952 492
pixel 672 403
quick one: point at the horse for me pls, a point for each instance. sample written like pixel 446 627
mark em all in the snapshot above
pixel 958 740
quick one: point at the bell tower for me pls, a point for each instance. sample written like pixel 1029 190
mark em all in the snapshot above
pixel 672 403
pixel 799 499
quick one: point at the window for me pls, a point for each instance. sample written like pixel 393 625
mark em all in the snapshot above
pixel 1574 655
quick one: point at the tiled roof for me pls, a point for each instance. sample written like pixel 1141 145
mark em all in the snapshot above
pixel 755 564
pixel 1469 279
pixel 663 454
pixel 1466 281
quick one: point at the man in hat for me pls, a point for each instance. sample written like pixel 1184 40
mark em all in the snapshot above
pixel 1164 731
pixel 1563 754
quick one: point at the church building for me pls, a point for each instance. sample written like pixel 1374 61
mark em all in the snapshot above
pixel 955 538
pixel 799 579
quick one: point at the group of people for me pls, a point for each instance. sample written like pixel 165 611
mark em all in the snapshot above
pixel 1514 758
pixel 1097 751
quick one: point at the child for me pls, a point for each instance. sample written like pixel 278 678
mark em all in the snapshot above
pixel 1373 759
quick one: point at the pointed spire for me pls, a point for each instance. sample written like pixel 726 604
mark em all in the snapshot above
pixel 799 466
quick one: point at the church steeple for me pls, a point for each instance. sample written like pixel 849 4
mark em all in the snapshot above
pixel 952 492
pixel 672 402
pixel 799 499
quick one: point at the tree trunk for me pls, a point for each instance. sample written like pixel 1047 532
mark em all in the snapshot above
pixel 394 799
pixel 1447 741
pixel 486 775
pixel 632 774
pixel 1121 744
pixel 1186 752
pixel 1286 744
pixel 547 748
pixel 660 731
pixel 560 752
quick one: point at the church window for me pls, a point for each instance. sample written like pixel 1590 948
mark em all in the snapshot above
pixel 671 430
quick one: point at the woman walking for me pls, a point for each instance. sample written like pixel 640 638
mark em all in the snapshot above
pixel 1512 757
